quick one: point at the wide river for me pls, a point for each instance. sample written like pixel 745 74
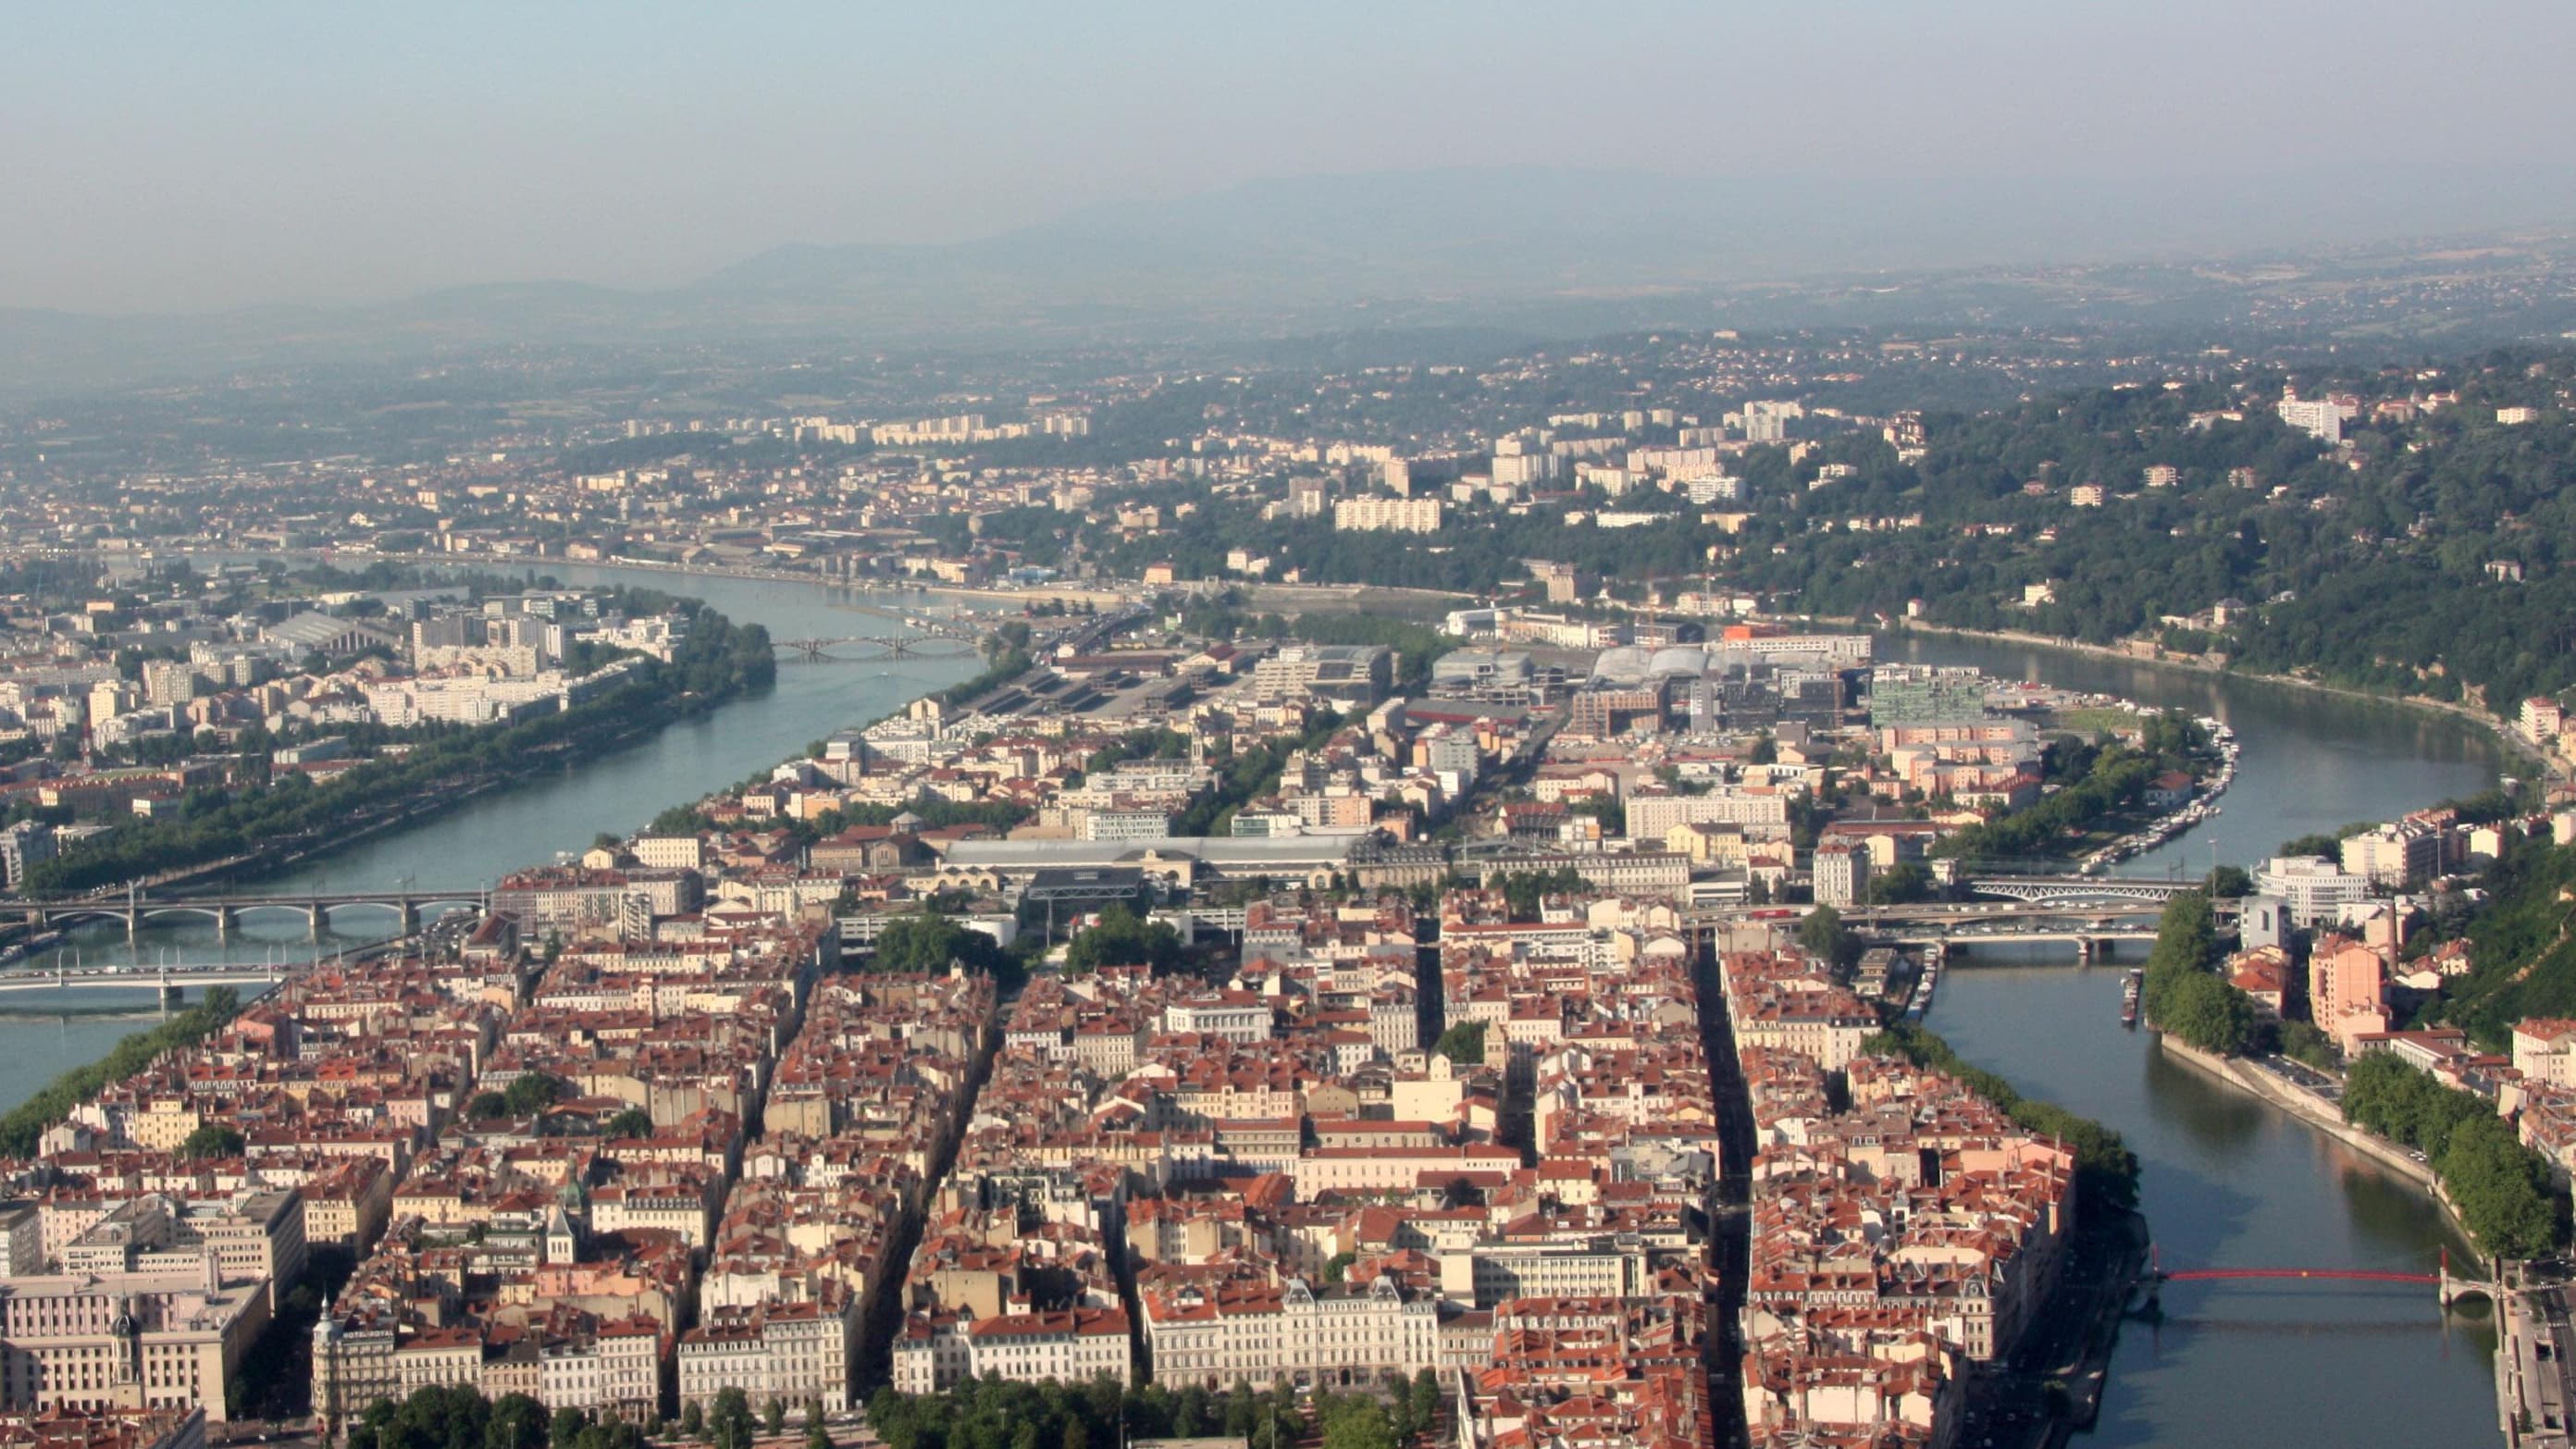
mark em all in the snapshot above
pixel 2228 1181
pixel 474 845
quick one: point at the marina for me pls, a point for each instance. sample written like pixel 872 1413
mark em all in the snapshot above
pixel 2202 808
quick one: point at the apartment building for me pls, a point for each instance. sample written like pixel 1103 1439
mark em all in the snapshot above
pixel 1387 515
pixel 1216 1334
pixel 794 1352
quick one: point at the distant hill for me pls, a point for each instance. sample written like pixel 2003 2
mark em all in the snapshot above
pixel 1541 251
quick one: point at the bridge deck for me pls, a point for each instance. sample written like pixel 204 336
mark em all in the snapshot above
pixel 2346 1275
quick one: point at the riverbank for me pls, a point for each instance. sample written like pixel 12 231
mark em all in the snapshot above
pixel 2485 720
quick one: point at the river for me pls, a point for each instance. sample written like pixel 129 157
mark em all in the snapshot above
pixel 2229 1181
pixel 472 846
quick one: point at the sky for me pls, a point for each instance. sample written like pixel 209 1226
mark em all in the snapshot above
pixel 192 157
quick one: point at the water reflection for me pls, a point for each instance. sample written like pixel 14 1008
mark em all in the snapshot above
pixel 2217 1117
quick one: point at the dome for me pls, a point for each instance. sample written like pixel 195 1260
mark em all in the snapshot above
pixel 1626 663
pixel 1678 660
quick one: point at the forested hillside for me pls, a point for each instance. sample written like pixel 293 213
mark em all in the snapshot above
pixel 2367 565
pixel 2523 953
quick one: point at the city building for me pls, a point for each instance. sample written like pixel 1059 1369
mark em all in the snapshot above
pixel 2311 889
pixel 1397 515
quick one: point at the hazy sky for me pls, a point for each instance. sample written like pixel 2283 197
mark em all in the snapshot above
pixel 186 156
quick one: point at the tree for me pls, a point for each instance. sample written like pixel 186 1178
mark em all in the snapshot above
pixel 730 1425
pixel 1122 938
pixel 1426 1396
pixel 926 942
pixel 773 1415
pixel 1902 884
pixel 816 1436
pixel 693 1420
pixel 213 1140
pixel 1354 1421
pixel 1463 1044
pixel 563 1431
pixel 2300 1041
pixel 530 1093
pixel 1823 936
pixel 2207 1013
pixel 1524 889
pixel 2183 995
pixel 2228 882
pixel 2502 1187
pixel 2186 933
pixel 632 1122
pixel 2105 1168
pixel 518 1421
pixel 2504 1191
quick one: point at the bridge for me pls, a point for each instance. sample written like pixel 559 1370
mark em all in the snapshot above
pixel 2448 1287
pixel 2089 946
pixel 2106 914
pixel 2059 889
pixel 169 981
pixel 227 911
pixel 876 647
pixel 2088 928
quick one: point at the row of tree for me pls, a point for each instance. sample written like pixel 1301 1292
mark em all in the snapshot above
pixel 458 1417
pixel 992 1413
pixel 2504 1191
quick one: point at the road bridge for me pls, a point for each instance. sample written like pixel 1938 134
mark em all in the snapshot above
pixel 227 911
pixel 2088 945
pixel 168 981
pixel 2104 913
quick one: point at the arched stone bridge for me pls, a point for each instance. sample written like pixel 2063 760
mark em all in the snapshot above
pixel 227 911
